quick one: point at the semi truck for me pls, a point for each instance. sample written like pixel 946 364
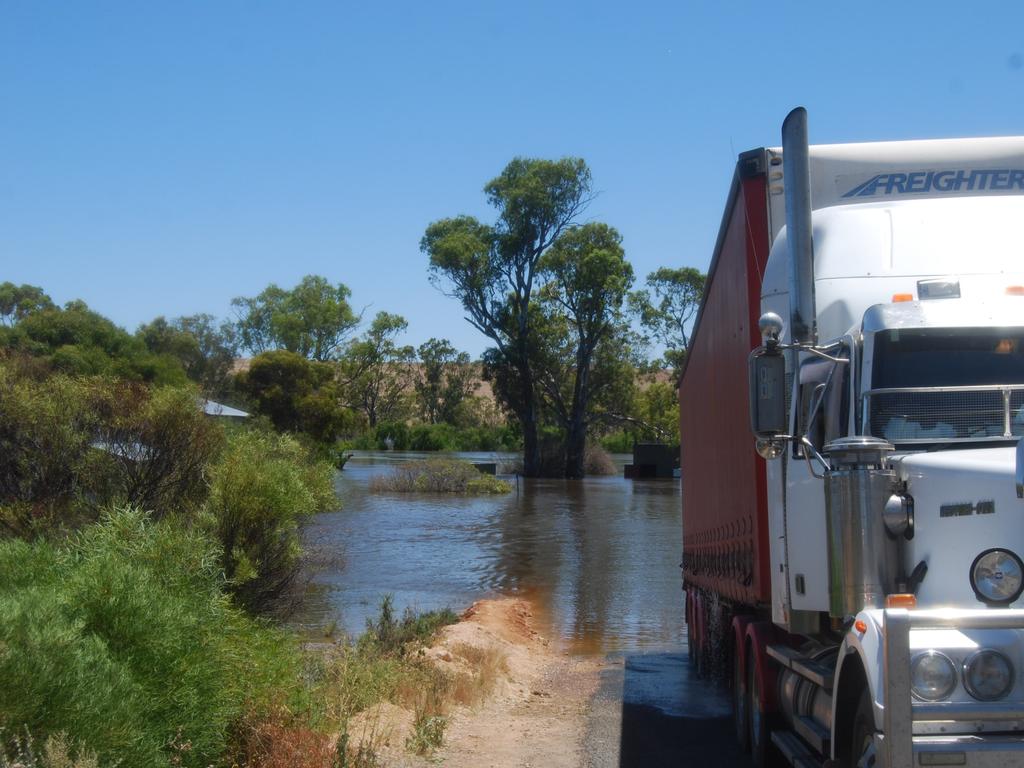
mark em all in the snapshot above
pixel 851 409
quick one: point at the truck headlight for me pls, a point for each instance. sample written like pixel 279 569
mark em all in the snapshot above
pixel 932 676
pixel 988 675
pixel 997 576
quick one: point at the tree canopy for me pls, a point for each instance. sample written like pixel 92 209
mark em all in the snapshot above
pixel 313 319
pixel 667 307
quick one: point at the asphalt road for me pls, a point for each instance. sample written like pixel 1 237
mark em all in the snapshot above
pixel 653 712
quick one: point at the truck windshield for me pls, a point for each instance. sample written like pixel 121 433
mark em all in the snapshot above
pixel 939 384
pixel 948 357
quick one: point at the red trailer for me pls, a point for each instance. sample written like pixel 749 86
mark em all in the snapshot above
pixel 725 518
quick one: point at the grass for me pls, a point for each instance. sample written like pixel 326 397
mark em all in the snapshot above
pixel 439 476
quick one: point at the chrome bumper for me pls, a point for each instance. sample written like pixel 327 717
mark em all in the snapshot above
pixel 985 751
pixel 898 747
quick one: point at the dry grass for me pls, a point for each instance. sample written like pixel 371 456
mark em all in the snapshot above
pixel 273 744
pixel 487 664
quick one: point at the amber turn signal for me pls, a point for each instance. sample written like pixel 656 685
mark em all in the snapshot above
pixel 897 297
pixel 900 600
pixel 861 626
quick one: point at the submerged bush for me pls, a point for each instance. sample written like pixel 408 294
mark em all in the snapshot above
pixel 122 640
pixel 261 490
pixel 439 476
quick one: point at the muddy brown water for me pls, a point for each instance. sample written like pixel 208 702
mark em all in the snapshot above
pixel 599 558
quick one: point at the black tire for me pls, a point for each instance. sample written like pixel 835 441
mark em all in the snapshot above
pixel 859 749
pixel 761 750
pixel 740 703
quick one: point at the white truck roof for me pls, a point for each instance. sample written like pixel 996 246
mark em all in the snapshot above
pixel 844 174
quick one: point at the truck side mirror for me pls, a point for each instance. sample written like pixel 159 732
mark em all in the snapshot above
pixel 767 393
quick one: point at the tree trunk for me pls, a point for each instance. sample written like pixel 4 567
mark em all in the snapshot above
pixel 576 429
pixel 575 448
pixel 528 422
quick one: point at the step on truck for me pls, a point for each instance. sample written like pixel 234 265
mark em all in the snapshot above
pixel 854 568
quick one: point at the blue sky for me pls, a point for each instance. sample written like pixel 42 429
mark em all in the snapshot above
pixel 162 158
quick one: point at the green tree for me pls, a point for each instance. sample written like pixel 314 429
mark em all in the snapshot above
pixel 296 394
pixel 588 277
pixel 493 270
pixel 206 351
pixel 669 312
pixel 19 301
pixel 446 381
pixel 376 371
pixel 313 319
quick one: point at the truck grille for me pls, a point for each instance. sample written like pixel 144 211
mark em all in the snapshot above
pixel 945 414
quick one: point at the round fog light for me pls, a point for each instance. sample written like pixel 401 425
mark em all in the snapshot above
pixel 988 675
pixel 997 576
pixel 932 676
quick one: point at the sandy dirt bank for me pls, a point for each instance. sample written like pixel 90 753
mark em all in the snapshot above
pixel 535 713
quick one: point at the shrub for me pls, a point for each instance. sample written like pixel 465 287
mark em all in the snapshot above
pixel 122 639
pixel 155 447
pixel 261 490
pixel 71 446
pixel 439 476
pixel 391 636
pixel 46 429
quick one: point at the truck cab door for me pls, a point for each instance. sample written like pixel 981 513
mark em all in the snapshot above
pixel 821 410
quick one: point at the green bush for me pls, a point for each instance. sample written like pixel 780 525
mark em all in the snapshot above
pixel 261 490
pixel 46 432
pixel 122 640
pixel 433 437
pixel 155 445
pixel 70 446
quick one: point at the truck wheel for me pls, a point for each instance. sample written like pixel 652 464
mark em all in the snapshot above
pixel 760 741
pixel 861 746
pixel 740 703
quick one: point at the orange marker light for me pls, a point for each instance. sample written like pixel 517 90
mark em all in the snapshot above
pixel 1015 290
pixel 897 297
pixel 861 626
pixel 900 600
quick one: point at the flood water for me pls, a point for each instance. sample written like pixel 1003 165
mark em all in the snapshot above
pixel 599 558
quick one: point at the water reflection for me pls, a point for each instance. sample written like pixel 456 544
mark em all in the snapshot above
pixel 599 557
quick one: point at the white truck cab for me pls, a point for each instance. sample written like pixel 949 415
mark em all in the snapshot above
pixel 896 521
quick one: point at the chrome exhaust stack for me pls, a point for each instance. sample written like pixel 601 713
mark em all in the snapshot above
pixel 796 168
